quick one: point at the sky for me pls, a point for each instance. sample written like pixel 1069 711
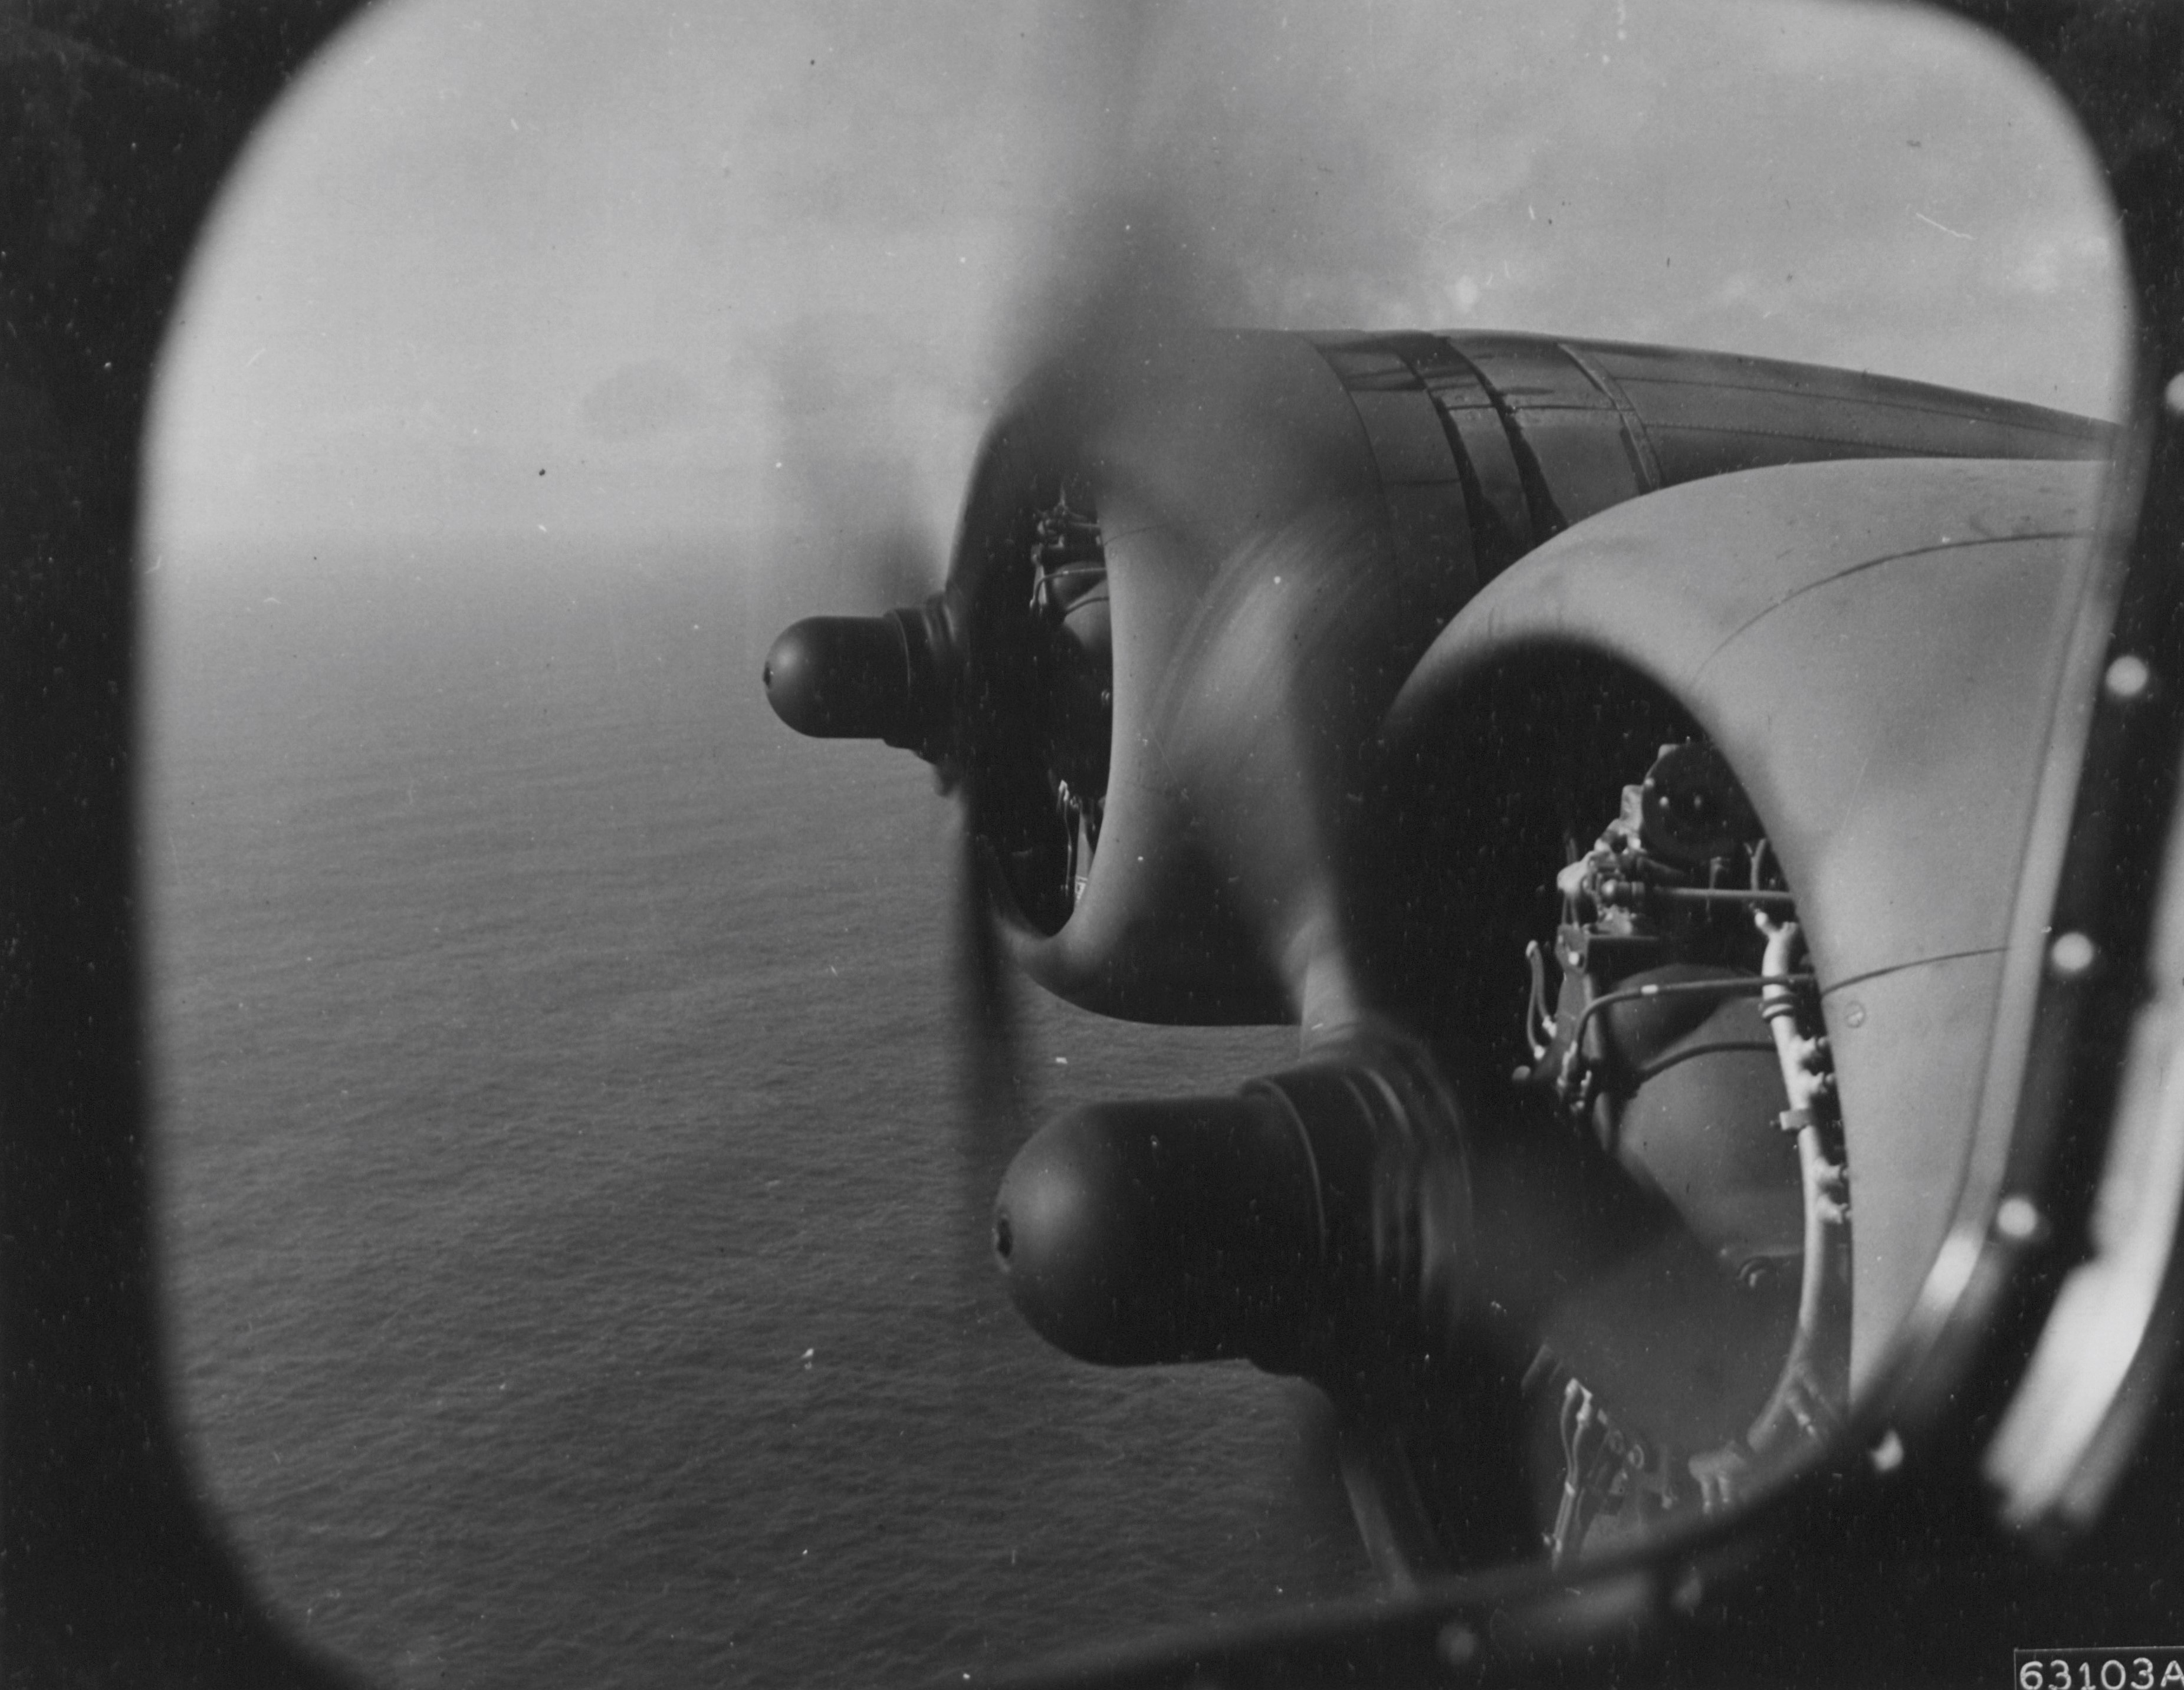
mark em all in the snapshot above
pixel 684 272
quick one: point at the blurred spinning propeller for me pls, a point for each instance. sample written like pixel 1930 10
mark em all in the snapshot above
pixel 900 677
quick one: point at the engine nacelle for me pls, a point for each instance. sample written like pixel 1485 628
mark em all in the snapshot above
pixel 1285 676
pixel 1184 592
pixel 1877 650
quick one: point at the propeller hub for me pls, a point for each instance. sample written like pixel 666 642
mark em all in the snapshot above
pixel 1299 1223
pixel 1323 1221
pixel 1177 1231
pixel 887 677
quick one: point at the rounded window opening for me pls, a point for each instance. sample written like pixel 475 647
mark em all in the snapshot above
pixel 568 1193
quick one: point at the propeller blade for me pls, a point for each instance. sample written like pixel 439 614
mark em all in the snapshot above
pixel 991 1080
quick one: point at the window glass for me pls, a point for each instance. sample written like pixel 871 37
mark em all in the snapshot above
pixel 576 1266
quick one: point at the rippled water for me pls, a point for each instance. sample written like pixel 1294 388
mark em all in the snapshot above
pixel 575 1277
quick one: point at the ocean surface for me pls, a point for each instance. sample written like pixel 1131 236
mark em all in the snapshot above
pixel 574 1257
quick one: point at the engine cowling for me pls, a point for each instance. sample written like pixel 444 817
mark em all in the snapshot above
pixel 1184 592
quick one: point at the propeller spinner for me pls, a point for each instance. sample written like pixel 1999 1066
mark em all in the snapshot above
pixel 890 677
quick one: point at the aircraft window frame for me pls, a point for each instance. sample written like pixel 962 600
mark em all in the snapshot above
pixel 113 1566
